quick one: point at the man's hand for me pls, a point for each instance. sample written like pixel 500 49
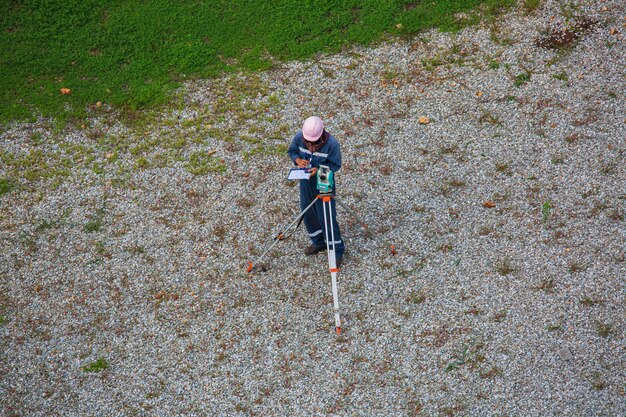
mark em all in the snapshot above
pixel 301 163
pixel 312 171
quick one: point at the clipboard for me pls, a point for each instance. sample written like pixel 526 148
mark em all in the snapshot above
pixel 298 174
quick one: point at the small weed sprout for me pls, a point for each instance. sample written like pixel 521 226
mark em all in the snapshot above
pixel 573 137
pixel 546 209
pixel 489 118
pixel 605 329
pixel 576 266
pixel 414 407
pixel 616 215
pixel 557 159
pixel 44 225
pixel 500 316
pixel 389 74
pixel 547 285
pixel 220 231
pixel 474 311
pixel 245 202
pixel 502 167
pixel 598 207
pixel 554 327
pixel 597 383
pixel 588 301
pixel 142 163
pixel 490 373
pixel 471 353
pixel 485 230
pixel 458 360
pixel 416 297
pixel 101 250
pixel 135 249
pixel 504 267
pixel 448 149
pixel 28 240
pixel 457 183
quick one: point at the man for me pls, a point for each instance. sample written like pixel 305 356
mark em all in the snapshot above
pixel 311 147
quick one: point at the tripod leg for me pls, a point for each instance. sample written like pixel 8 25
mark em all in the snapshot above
pixel 330 242
pixel 351 212
pixel 332 261
pixel 280 236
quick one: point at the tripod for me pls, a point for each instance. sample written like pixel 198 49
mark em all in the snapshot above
pixel 326 198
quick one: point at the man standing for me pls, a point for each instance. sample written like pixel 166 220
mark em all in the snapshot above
pixel 311 147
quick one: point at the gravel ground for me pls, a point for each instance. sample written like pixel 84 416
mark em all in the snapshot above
pixel 505 207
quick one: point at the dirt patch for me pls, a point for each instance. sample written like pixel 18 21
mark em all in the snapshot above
pixel 561 38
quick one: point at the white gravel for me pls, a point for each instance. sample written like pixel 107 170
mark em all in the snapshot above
pixel 513 310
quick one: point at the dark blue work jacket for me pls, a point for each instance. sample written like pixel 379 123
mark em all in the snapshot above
pixel 328 155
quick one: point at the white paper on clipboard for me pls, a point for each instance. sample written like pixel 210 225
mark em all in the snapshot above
pixel 298 174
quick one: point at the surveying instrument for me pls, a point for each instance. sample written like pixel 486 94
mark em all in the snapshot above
pixel 325 184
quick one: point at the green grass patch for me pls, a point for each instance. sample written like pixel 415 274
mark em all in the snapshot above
pixel 44 225
pixel 95 223
pixel 260 149
pixel 93 226
pixel 97 366
pixel 521 79
pixel 132 54
pixel 529 6
pixel 201 163
pixel 6 186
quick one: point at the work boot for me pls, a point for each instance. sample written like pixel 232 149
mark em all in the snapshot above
pixel 313 249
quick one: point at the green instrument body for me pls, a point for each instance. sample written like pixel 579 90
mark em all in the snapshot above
pixel 325 180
